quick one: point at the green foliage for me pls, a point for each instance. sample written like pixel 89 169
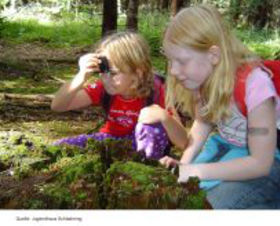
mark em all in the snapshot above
pixel 141 174
pixel 56 152
pixel 66 32
pixel 22 172
pixel 20 151
pixel 264 43
pixel 105 174
pixel 266 51
pixel 2 26
pixel 60 196
pixel 134 185
pixel 56 34
pixel 77 167
pixel 3 3
pixel 160 64
pixel 35 204
pixel 151 26
pixel 195 199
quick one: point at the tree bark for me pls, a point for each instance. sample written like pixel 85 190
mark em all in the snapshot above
pixel 176 5
pixel 164 4
pixel 124 5
pixel 132 15
pixel 260 16
pixel 110 16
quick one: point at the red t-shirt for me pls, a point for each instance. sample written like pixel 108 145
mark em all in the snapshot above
pixel 123 113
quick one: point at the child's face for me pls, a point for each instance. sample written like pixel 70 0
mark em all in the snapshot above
pixel 189 66
pixel 118 82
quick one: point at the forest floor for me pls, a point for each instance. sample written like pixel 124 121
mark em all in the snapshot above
pixel 30 74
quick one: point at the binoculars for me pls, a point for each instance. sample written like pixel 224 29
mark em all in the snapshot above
pixel 104 65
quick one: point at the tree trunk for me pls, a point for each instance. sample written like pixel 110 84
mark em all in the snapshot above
pixel 176 5
pixel 110 16
pixel 260 15
pixel 124 5
pixel 132 15
pixel 164 4
pixel 173 8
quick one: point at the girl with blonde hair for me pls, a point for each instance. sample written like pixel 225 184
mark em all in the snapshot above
pixel 127 85
pixel 238 165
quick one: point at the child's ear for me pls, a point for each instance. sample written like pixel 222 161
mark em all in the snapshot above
pixel 137 78
pixel 139 73
pixel 214 54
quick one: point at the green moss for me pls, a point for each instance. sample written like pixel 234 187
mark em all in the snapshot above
pixel 59 196
pixel 81 196
pixel 134 185
pixel 106 174
pixel 80 166
pixel 192 196
pixel 195 201
pixel 34 204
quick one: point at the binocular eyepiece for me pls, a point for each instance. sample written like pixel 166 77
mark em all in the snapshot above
pixel 104 65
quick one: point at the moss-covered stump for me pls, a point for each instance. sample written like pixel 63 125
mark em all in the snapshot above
pixel 104 175
pixel 132 185
pixel 76 184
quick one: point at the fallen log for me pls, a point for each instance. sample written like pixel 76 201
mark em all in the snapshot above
pixel 38 97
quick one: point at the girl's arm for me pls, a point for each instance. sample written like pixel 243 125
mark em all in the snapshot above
pixel 71 95
pixel 262 146
pixel 194 142
pixel 196 139
pixel 197 136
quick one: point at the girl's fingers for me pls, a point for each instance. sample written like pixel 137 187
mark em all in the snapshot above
pixel 172 162
pixel 92 66
pixel 163 160
pixel 182 178
pixel 168 161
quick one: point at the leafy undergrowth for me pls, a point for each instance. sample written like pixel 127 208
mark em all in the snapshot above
pixel 104 175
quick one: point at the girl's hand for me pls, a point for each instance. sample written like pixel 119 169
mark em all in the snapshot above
pixel 88 64
pixel 169 162
pixel 152 114
pixel 186 171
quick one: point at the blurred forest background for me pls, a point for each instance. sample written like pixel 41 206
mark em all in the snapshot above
pixel 41 41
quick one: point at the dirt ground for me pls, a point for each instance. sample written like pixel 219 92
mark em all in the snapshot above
pixel 31 112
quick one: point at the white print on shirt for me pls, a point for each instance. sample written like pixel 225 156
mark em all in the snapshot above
pixel 123 120
pixel 234 129
pixel 127 113
pixel 132 113
pixel 124 117
pixel 117 111
pixel 93 86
